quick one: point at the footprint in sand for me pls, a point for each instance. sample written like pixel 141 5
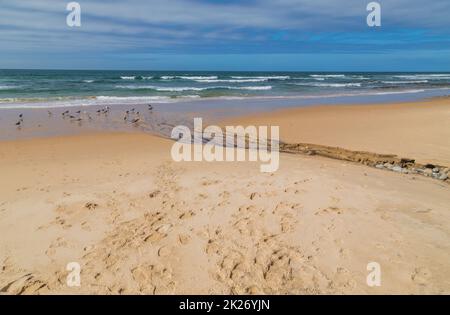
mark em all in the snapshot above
pixel 421 276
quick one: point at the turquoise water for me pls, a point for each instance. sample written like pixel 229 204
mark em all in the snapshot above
pixel 59 88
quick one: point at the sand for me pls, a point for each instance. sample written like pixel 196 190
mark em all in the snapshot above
pixel 139 223
pixel 419 130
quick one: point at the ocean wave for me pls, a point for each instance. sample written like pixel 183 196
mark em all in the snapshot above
pixel 254 88
pixel 275 77
pixel 9 87
pixel 88 81
pixel 183 89
pixel 213 77
pixel 62 102
pixel 327 75
pixel 423 76
pixel 329 84
pixel 231 80
pixel 195 78
pixel 131 98
pixel 404 82
pixel 128 77
pixel 159 88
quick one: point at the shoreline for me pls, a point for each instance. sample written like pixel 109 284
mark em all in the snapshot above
pixel 312 130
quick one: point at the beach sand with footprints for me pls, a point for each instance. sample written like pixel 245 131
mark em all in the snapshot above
pixel 138 222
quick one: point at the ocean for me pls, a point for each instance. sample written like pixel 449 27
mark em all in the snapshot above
pixel 62 88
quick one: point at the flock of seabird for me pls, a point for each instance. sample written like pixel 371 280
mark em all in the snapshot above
pixel 132 115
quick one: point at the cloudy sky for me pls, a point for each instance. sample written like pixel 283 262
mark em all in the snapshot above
pixel 327 35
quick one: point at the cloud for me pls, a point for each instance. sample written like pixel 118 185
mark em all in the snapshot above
pixel 219 26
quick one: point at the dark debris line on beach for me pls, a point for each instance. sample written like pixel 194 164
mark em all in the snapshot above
pixel 380 161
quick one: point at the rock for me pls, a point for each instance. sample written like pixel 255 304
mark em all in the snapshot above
pixel 429 166
pixel 380 166
pixel 388 165
pixel 443 176
pixel 407 161
pixel 427 172
pixel 405 171
pixel 435 170
pixel 397 169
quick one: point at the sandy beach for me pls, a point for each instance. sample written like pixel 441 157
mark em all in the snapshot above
pixel 418 130
pixel 138 222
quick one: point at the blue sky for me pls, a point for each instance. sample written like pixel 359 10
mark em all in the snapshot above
pixel 267 35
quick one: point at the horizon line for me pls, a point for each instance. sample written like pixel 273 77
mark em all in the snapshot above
pixel 205 70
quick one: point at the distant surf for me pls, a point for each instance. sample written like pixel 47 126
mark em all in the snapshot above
pixel 42 88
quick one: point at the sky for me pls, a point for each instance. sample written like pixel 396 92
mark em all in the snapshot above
pixel 245 35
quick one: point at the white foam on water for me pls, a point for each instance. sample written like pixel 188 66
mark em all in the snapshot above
pixel 231 80
pixel 186 88
pixel 170 77
pixel 213 77
pixel 424 76
pixel 9 87
pixel 284 77
pixel 329 84
pixel 327 75
pixel 404 82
